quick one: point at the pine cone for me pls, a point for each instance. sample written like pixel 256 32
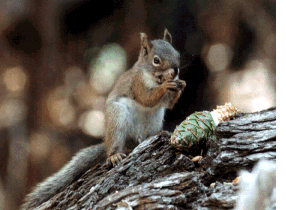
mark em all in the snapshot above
pixel 200 126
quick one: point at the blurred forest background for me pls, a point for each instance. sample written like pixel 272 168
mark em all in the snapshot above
pixel 60 58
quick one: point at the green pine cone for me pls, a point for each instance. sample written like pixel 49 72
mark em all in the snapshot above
pixel 196 127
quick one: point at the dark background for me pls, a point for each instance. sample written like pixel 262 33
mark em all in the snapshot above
pixel 59 59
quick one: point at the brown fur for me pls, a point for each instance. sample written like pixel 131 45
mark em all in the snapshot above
pixel 144 89
pixel 135 109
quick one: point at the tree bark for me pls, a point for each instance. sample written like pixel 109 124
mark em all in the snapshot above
pixel 157 176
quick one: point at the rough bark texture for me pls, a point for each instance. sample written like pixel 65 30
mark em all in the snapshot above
pixel 157 176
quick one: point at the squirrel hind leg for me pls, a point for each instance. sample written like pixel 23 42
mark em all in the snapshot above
pixel 115 159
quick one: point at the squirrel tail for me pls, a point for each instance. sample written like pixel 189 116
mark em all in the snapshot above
pixel 79 164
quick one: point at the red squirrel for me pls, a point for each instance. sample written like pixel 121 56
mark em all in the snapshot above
pixel 135 110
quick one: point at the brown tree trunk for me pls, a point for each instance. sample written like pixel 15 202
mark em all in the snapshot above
pixel 157 176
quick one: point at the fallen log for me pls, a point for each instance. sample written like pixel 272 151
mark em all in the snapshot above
pixel 157 176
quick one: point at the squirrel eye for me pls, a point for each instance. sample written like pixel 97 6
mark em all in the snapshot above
pixel 156 61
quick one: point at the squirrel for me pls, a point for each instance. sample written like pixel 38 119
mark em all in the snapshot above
pixel 135 110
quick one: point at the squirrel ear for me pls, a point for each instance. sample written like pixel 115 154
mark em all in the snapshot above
pixel 146 44
pixel 167 36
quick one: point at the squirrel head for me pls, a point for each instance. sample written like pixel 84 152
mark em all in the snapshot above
pixel 159 57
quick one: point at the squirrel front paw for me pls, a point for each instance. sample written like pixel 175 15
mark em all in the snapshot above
pixel 181 84
pixel 115 159
pixel 175 85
